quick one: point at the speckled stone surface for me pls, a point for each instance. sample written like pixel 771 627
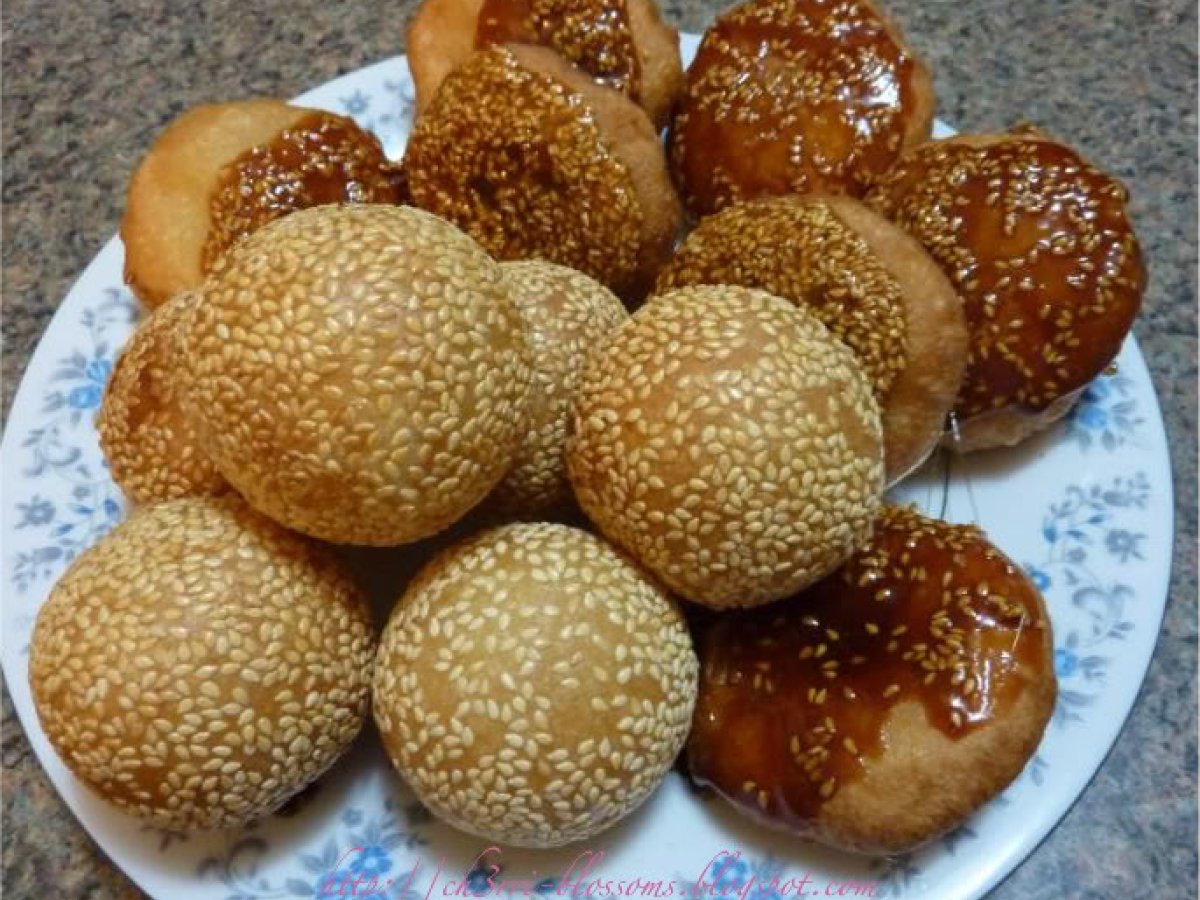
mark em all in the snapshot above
pixel 87 86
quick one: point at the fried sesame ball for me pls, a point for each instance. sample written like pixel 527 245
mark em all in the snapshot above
pixel 358 373
pixel 535 160
pixel 796 96
pixel 566 314
pixel 200 664
pixel 1039 244
pixel 222 170
pixel 881 707
pixel 867 280
pixel 623 44
pixel 533 687
pixel 152 450
pixel 729 442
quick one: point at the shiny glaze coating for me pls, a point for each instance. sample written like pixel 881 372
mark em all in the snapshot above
pixel 1038 244
pixel 594 35
pixel 796 697
pixel 792 96
pixel 322 159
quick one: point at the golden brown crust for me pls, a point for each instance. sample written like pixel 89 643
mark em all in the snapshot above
pixel 444 33
pixel 153 452
pixel 535 160
pixel 166 213
pixel 358 373
pixel 828 106
pixel 915 408
pixel 546 718
pixel 728 442
pixel 199 630
pixel 1042 252
pixel 870 283
pixel 566 315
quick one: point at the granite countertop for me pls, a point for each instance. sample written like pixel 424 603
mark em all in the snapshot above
pixel 86 87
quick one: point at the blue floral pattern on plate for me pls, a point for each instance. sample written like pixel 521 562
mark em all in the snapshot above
pixel 1090 527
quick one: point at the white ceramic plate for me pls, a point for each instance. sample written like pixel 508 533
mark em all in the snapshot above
pixel 1087 508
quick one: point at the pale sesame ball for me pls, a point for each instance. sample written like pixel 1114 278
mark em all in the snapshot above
pixel 533 686
pixel 566 314
pixel 200 665
pixel 152 449
pixel 727 441
pixel 358 373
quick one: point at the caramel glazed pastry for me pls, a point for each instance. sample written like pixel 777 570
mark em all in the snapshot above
pixel 622 44
pixel 533 159
pixel 882 706
pixel 868 281
pixel 222 171
pixel 1039 245
pixel 793 96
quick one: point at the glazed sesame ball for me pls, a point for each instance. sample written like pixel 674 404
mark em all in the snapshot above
pixel 152 450
pixel 201 664
pixel 887 703
pixel 222 170
pixel 358 373
pixel 729 443
pixel 1040 246
pixel 566 313
pixel 533 687
pixel 535 160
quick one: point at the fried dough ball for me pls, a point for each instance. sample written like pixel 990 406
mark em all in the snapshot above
pixel 881 707
pixel 153 451
pixel 535 160
pixel 222 170
pixel 796 96
pixel 1039 245
pixel 623 44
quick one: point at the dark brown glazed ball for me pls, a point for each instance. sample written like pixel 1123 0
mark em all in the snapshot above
pixel 1039 245
pixel 882 706
pixel 793 96
pixel 622 44
pixel 535 160
pixel 223 170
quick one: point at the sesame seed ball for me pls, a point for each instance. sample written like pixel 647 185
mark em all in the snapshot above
pixel 200 665
pixel 537 161
pixel 358 373
pixel 867 280
pixel 726 440
pixel 152 450
pixel 623 44
pixel 222 170
pixel 796 96
pixel 566 313
pixel 1039 245
pixel 533 686
pixel 884 705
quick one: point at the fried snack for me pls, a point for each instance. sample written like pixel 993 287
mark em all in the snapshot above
pixel 535 160
pixel 796 96
pixel 547 717
pixel 884 705
pixel 220 171
pixel 153 452
pixel 622 44
pixel 868 281
pixel 358 373
pixel 1039 245
pixel 726 440
pixel 199 631
pixel 566 314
